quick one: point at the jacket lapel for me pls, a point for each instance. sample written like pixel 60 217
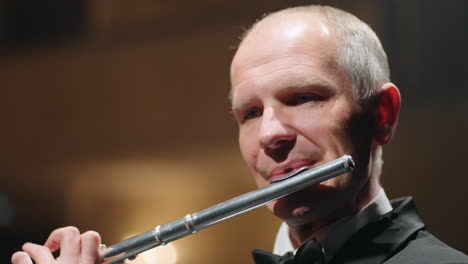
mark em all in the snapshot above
pixel 380 240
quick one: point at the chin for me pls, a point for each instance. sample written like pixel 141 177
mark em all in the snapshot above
pixel 297 215
pixel 306 206
pixel 294 210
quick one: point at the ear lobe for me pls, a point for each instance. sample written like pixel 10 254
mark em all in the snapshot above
pixel 388 107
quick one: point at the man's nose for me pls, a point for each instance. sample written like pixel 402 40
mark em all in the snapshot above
pixel 275 131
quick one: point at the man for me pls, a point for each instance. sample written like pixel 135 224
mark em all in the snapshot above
pixel 310 84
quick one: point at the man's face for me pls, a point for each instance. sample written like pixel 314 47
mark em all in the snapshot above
pixel 295 107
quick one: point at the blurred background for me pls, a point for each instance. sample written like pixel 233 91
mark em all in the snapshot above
pixel 115 118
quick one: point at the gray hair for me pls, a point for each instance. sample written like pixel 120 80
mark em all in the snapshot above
pixel 362 56
pixel 360 53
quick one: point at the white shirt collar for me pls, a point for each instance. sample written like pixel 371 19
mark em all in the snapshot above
pixel 340 231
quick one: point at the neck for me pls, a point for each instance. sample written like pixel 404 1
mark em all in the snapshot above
pixel 300 234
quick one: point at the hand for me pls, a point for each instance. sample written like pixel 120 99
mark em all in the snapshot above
pixel 74 248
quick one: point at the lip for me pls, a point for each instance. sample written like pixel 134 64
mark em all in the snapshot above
pixel 288 168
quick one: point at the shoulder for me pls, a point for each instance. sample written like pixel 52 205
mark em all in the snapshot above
pixel 426 248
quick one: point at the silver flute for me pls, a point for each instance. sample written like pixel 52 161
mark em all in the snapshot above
pixel 192 223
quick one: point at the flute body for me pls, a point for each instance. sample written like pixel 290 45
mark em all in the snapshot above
pixel 192 223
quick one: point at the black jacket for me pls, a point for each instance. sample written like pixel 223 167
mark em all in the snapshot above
pixel 397 237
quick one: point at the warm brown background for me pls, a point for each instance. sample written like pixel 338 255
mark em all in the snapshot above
pixel 115 118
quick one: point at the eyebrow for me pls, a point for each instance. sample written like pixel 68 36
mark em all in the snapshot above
pixel 242 105
pixel 323 86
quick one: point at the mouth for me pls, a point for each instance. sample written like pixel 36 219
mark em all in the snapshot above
pixel 289 170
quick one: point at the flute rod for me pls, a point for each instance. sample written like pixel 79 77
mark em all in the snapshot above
pixel 192 223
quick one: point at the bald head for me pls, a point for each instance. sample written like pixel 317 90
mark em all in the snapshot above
pixel 298 40
pixel 359 50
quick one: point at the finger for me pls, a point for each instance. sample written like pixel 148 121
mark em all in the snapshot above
pixel 90 253
pixel 68 240
pixel 21 257
pixel 40 254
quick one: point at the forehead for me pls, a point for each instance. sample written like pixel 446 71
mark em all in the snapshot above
pixel 286 50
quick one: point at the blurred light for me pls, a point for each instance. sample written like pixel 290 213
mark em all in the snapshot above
pixel 6 211
pixel 163 254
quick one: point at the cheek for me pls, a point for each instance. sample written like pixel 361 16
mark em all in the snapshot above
pixel 321 132
pixel 326 130
pixel 248 147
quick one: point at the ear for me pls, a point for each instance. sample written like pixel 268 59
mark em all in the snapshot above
pixel 388 107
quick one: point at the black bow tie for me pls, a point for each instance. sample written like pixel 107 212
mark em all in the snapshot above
pixel 309 253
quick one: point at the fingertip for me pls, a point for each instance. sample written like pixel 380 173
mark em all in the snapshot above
pixel 72 230
pixel 38 253
pixel 20 257
pixel 92 235
pixel 26 245
pixel 90 244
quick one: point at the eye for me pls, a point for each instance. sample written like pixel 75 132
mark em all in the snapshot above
pixel 304 98
pixel 252 113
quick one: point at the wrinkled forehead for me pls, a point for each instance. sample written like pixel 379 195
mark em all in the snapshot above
pixel 301 39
